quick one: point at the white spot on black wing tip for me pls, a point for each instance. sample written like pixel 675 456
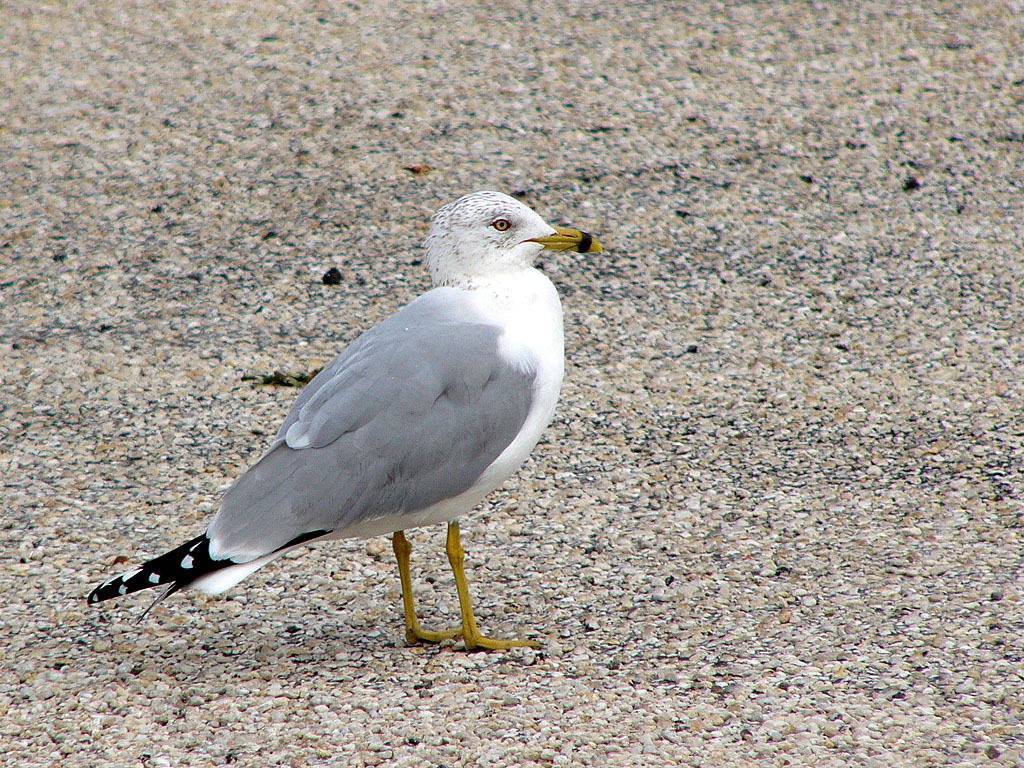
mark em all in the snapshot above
pixel 187 561
pixel 154 578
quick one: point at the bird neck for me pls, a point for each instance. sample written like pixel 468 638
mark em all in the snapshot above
pixel 523 285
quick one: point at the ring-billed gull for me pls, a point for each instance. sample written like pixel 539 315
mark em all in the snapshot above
pixel 414 423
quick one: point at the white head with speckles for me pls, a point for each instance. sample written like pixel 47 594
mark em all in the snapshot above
pixel 484 233
pixel 487 233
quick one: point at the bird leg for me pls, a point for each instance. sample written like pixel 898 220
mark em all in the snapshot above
pixel 470 634
pixel 413 633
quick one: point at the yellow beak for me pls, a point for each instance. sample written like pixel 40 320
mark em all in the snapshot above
pixel 566 239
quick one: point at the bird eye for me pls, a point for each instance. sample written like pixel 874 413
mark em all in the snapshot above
pixel 500 224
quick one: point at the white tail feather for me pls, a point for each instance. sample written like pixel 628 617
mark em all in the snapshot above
pixel 216 582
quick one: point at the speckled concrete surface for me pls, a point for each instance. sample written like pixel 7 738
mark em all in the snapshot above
pixel 778 519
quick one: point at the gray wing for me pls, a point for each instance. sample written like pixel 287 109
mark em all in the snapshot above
pixel 411 413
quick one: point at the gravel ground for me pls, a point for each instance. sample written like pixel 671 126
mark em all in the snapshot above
pixel 778 518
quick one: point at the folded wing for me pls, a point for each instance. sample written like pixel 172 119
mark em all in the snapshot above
pixel 410 414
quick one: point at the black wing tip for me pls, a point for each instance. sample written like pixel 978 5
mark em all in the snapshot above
pixel 179 568
pixel 181 565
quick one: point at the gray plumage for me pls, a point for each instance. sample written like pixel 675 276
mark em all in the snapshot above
pixel 410 414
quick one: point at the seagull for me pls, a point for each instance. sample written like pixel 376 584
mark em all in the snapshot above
pixel 413 424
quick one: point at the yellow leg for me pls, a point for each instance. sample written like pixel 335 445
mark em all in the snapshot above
pixel 470 634
pixel 413 633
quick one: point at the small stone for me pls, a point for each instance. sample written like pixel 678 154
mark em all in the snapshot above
pixel 967 686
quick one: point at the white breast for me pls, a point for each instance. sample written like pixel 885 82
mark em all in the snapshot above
pixel 533 339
